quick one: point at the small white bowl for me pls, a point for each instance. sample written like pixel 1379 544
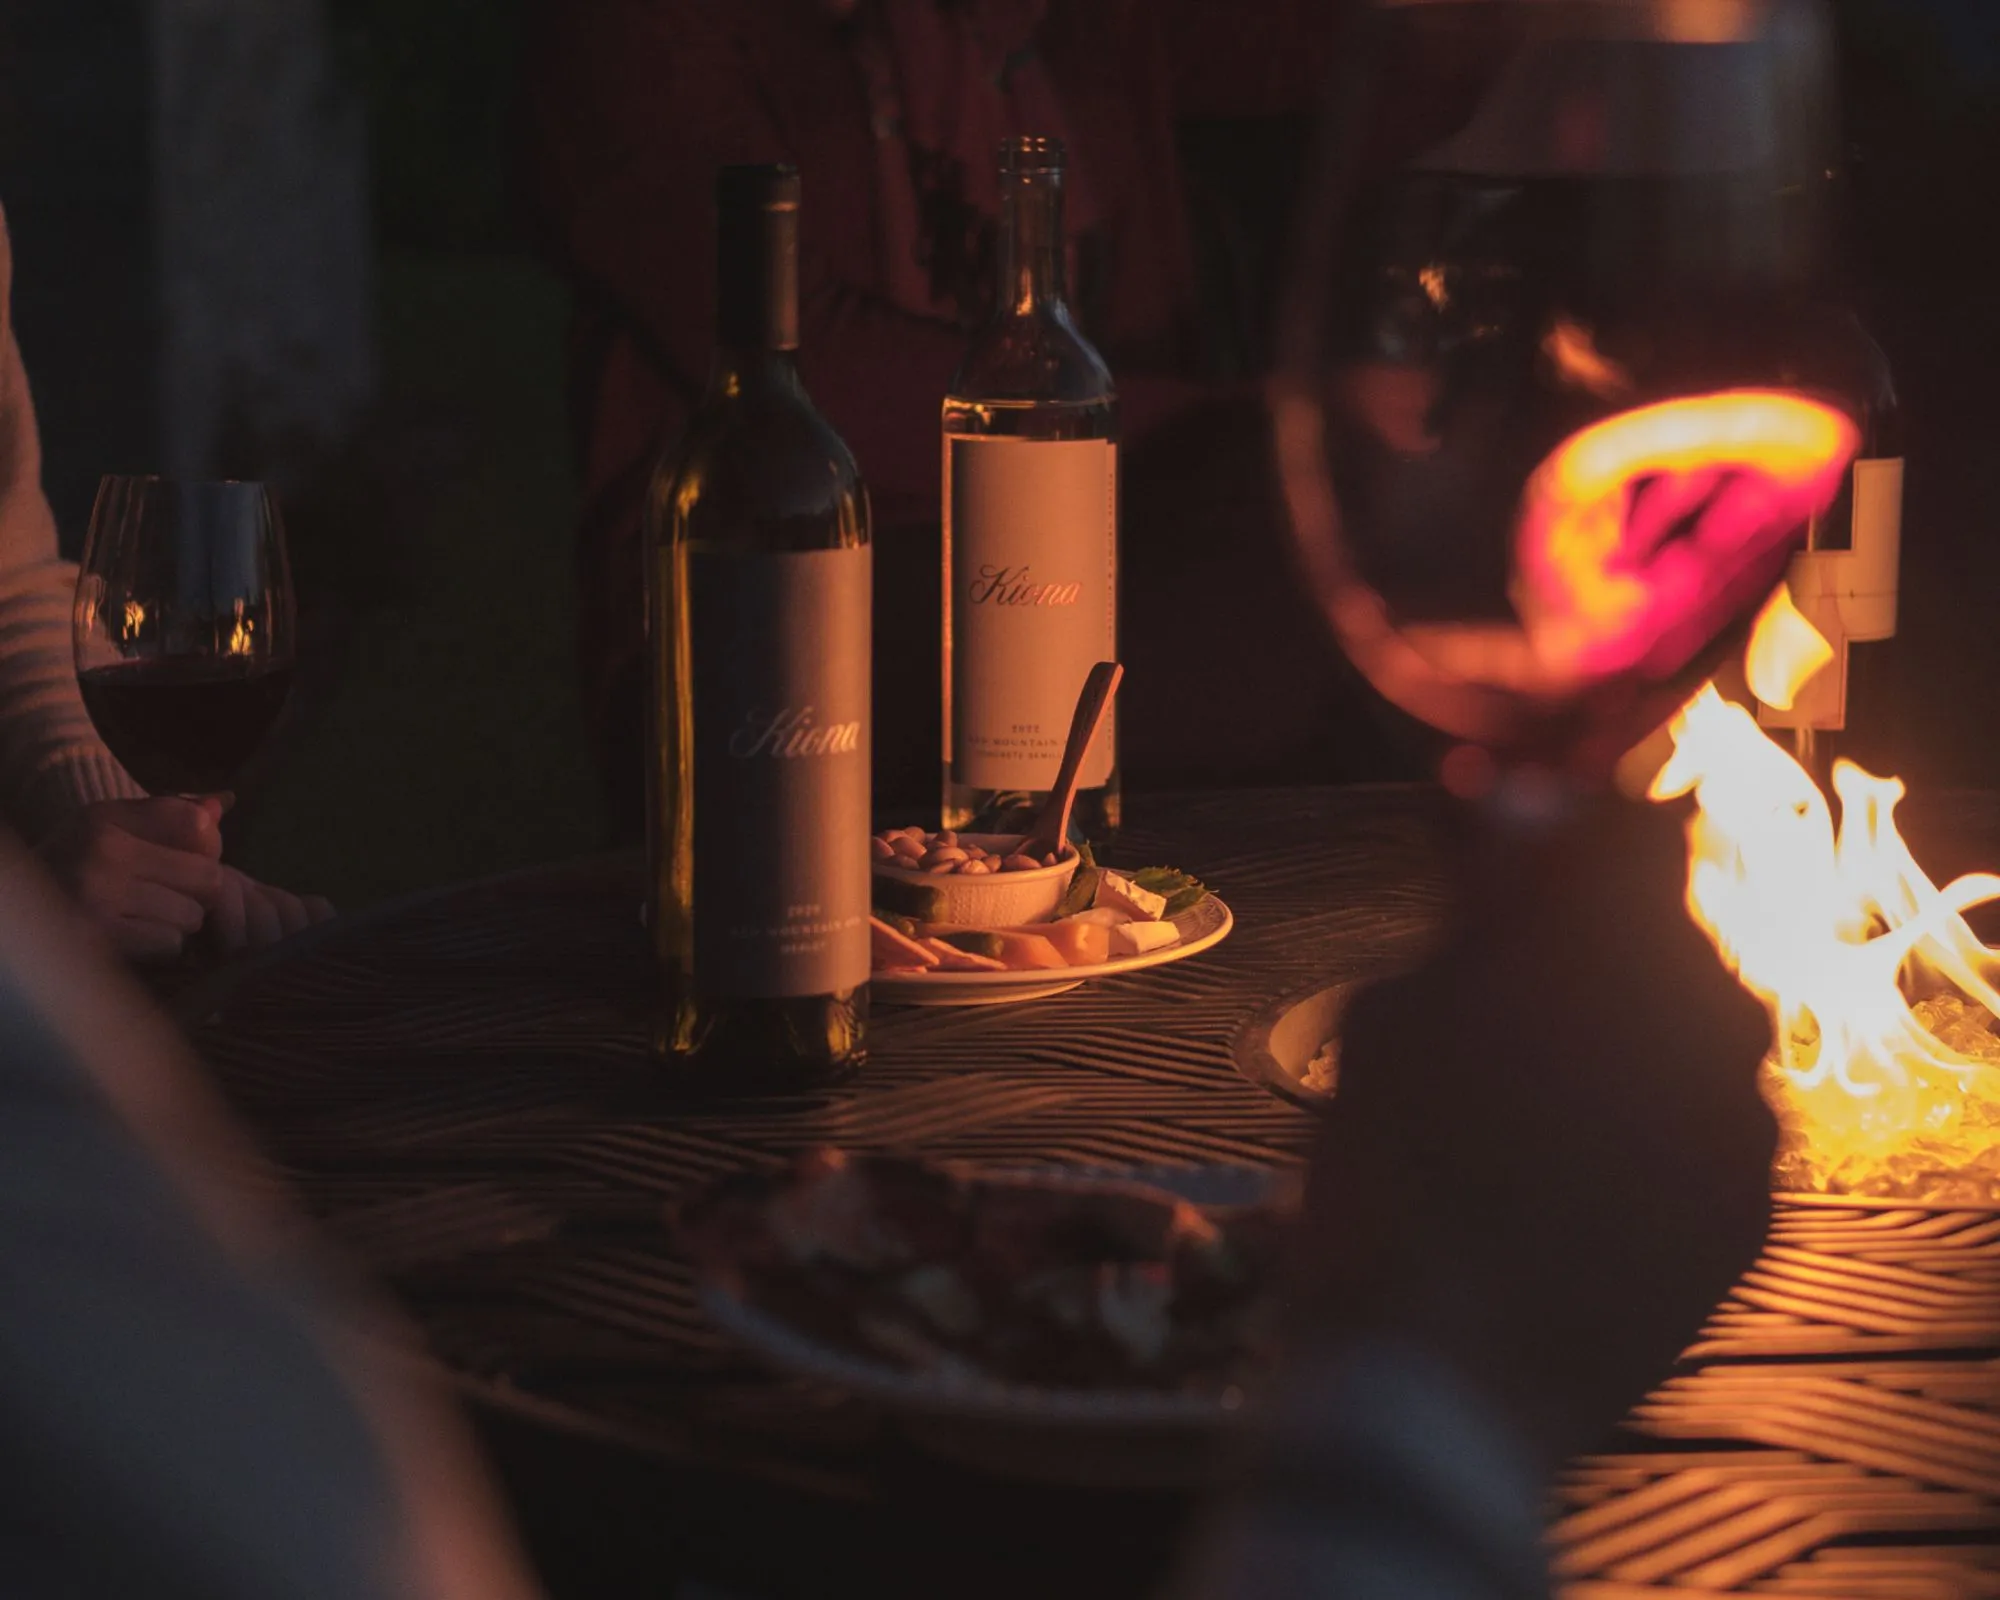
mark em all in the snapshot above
pixel 986 900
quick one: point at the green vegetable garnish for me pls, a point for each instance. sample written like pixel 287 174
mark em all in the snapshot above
pixel 1183 890
pixel 918 902
pixel 1082 892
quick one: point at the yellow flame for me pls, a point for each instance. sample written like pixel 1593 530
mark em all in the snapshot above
pixel 135 618
pixel 1786 652
pixel 1437 289
pixel 241 641
pixel 1837 930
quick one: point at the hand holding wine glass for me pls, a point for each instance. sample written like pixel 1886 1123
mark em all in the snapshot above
pixel 184 636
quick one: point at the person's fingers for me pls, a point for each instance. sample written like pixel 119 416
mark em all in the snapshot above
pixel 119 854
pixel 262 923
pixel 138 939
pixel 191 826
pixel 227 924
pixel 292 914
pixel 155 902
pixel 319 908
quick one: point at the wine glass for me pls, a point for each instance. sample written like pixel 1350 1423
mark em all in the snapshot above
pixel 1560 389
pixel 184 628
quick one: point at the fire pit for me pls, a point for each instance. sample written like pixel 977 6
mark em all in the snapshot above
pixel 1885 1071
pixel 1885 1004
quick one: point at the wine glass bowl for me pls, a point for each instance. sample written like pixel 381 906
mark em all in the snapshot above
pixel 1555 334
pixel 184 628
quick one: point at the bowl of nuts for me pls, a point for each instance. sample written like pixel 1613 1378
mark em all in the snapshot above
pixel 976 880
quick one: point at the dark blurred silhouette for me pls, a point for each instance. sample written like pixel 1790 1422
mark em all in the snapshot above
pixel 196 1403
pixel 892 110
pixel 1546 1163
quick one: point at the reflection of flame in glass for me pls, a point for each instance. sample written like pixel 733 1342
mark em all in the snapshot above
pixel 240 642
pixel 1436 289
pixel 135 619
pixel 1837 932
pixel 1638 541
pixel 1572 351
pixel 1634 527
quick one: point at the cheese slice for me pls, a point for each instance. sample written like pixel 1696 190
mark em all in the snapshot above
pixel 893 949
pixel 1140 938
pixel 1116 892
pixel 1101 916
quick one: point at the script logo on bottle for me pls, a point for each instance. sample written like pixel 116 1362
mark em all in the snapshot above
pixel 1012 586
pixel 791 733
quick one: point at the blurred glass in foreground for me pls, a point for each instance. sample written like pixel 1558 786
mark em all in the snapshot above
pixel 1562 383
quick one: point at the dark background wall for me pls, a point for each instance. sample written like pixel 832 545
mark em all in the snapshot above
pixel 75 176
pixel 433 735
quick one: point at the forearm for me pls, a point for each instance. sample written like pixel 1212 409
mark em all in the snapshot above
pixel 51 759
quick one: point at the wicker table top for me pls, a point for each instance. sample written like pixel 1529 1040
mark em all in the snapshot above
pixel 457 1086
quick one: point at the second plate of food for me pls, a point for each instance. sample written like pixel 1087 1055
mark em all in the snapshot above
pixel 1075 1326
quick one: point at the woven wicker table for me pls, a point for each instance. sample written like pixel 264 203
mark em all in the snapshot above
pixel 457 1086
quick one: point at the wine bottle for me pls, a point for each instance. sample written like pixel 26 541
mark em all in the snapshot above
pixel 759 597
pixel 1030 523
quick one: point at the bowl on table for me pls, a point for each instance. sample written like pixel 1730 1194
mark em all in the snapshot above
pixel 1009 898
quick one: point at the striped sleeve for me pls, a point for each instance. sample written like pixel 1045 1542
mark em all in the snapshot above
pixel 51 760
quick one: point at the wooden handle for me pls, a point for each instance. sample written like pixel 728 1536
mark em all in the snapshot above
pixel 1052 827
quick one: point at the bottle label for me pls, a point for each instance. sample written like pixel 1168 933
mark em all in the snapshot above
pixel 780 679
pixel 1849 595
pixel 1033 575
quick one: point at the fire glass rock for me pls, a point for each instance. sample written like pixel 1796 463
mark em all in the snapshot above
pixel 1957 1163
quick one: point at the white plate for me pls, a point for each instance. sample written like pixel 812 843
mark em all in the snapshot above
pixel 1101 1438
pixel 1201 928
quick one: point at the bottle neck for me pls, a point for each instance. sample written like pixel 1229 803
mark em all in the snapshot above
pixel 757 283
pixel 1033 276
pixel 749 370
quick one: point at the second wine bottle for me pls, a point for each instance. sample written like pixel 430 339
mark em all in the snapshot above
pixel 1030 522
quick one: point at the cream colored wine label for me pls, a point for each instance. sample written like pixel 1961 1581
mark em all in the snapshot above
pixel 1032 579
pixel 1849 595
pixel 781 688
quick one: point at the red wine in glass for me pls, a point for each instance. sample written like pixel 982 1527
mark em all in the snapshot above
pixel 183 628
pixel 184 725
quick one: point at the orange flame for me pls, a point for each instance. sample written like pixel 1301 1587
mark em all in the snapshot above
pixel 1836 931
pixel 241 640
pixel 1572 351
